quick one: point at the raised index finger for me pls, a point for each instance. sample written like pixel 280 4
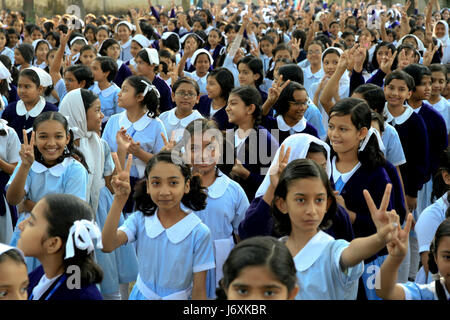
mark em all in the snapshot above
pixel 116 162
pixel 129 162
pixel 25 137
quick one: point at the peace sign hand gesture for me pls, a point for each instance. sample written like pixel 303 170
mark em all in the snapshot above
pixel 429 54
pixel 168 145
pixel 121 181
pixel 386 65
pixel 276 89
pixel 27 150
pixel 398 247
pixel 275 171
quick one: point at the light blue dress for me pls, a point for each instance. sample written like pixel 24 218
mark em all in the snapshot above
pixel 108 99
pixel 314 118
pixel 225 209
pixel 394 149
pixel 9 53
pixel 146 130
pixel 319 274
pixel 168 258
pixel 119 266
pixel 414 291
pixel 68 176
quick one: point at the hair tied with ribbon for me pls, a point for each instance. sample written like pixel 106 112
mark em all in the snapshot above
pixel 371 131
pixel 82 235
pixel 149 87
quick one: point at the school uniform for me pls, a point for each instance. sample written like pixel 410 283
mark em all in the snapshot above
pixel 123 72
pixel 283 130
pixel 42 288
pixel 12 94
pixel 263 95
pixel 9 152
pixel 9 53
pixel 393 147
pixel 314 118
pixel 174 124
pixel 414 291
pixel 68 176
pixel 147 131
pixel 201 81
pixel 215 53
pixel 230 65
pixel 204 106
pixel 19 118
pixel 319 272
pixel 443 107
pixel 255 153
pixel 108 99
pixel 266 62
pixel 125 54
pixel 309 78
pixel 225 208
pixel 168 258
pixel 165 92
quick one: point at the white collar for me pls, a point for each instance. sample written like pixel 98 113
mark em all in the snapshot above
pixel 56 170
pixel 174 120
pixel 126 44
pixel 401 118
pixel 119 64
pixel 139 125
pixel 344 176
pixel 176 233
pixel 194 76
pixel 298 127
pixel 306 257
pixel 34 112
pixel 106 92
pixel 309 74
pixel 220 185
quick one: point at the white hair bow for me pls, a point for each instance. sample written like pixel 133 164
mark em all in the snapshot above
pixel 150 87
pixel 83 232
pixel 371 131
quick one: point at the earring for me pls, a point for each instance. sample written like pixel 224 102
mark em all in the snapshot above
pixel 66 151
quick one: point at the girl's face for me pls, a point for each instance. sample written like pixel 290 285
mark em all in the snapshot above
pixel 382 55
pixel 13 280
pixel 97 71
pixel 349 41
pixel 396 93
pixel 202 64
pixel 41 51
pixel 51 139
pixel 334 29
pixel 171 26
pixel 191 42
pixel 28 91
pixel 94 116
pixel 36 35
pixel 420 34
pixel 13 39
pixel 411 41
pixel 2 40
pixel 445 15
pixel 185 97
pixel 258 283
pixel 297 108
pixel 423 89
pixel 314 54
pixel 231 34
pixel 236 109
pixel 438 83
pixel 50 58
pixel 102 35
pixel 90 36
pixel 275 37
pixel 366 38
pixel 135 48
pixel 330 62
pixel 213 39
pixel 246 76
pixel 446 92
pixel 197 26
pixel 143 68
pixel 202 152
pixel 442 258
pixel 439 30
pixel 361 23
pixel 213 88
pixel 306 203
pixel 18 58
pixel 127 97
pixel 277 67
pixel 87 56
pixel 283 54
pixel 319 158
pixel 266 47
pixel 166 185
pixel 343 135
pixel 124 33
pixel 51 40
pixel 113 51
pixel 75 48
pixel 70 81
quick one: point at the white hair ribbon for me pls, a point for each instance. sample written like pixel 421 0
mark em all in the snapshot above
pixel 74 129
pixel 371 131
pixel 150 87
pixel 83 232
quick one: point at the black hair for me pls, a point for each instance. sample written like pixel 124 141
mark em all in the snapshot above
pixel 229 27
pixel 92 27
pixel 374 62
pixel 195 199
pixel 32 75
pixel 172 42
pixel 417 71
pixel 317 43
pixel 13 255
pixel 271 73
pixel 5 32
pixel 300 34
pixel 151 99
pixel 291 71
pixel 71 151
pixel 360 115
pixel 48 26
pixel 186 80
pixel 201 21
pixel 61 213
pixel 108 64
pixel 103 27
pixel 81 72
pixel 373 95
pixel 400 75
pixel 55 36
pixel 164 53
pixel 317 148
pixel 78 41
pixel 88 47
pixel 437 67
pixel 286 96
pixel 379 119
pixel 442 231
pixel 259 251
pixel 88 98
pixel 27 51
pixel 196 38
pixel 400 48
pixel 281 47
pixel 324 39
pixel 225 79
pixel 12 69
pixel 439 185
pixel 147 30
pixel 143 54
pixel 106 44
pixel 250 95
pixel 300 169
pixel 256 66
pixel 63 28
pixel 330 51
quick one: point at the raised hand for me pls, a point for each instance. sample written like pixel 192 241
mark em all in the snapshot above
pixel 27 149
pixel 121 180
pixel 359 57
pixel 255 50
pixel 386 65
pixel 429 54
pixel 295 46
pixel 168 145
pixel 275 171
pixel 123 140
pixel 134 148
pixel 276 89
pixel 398 247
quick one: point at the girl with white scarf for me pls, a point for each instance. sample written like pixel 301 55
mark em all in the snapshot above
pixel 441 32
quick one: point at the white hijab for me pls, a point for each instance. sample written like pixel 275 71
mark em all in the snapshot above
pixel 90 144
pixel 299 143
pixel 445 43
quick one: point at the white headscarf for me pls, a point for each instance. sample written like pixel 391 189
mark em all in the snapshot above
pixel 90 144
pixel 445 42
pixel 299 143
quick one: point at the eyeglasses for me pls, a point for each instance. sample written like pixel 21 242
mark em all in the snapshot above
pixel 314 52
pixel 185 94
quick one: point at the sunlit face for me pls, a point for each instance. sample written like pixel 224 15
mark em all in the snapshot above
pixel 127 97
pixel 202 64
pixel 36 34
pixel 143 68
pixel 438 83
pixel 334 29
pixel 124 33
pixel 423 90
pixel 314 54
pixel 236 109
pixel 71 82
pixel 75 48
pixel 102 35
pixel 246 75
pixel 344 136
pixel 231 34
pixel 349 41
pixel 330 62
pixel 383 55
pixel 51 140
pixel 297 108
pixel 94 116
pixel 87 56
pixel 190 41
pixel 97 71
pixel 396 93
pixel 213 39
pixel 439 30
pixel 266 47
pixel 258 283
pixel 13 280
pixel 185 97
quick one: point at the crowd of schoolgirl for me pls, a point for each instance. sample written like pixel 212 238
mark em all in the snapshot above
pixel 231 151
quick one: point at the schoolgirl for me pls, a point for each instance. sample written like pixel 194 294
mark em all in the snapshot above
pixel 41 48
pixel 23 56
pixel 194 42
pixel 13 274
pixel 138 42
pixel 214 45
pixel 111 48
pixel 202 61
pixel 124 30
pixel 438 102
pixel 4 45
